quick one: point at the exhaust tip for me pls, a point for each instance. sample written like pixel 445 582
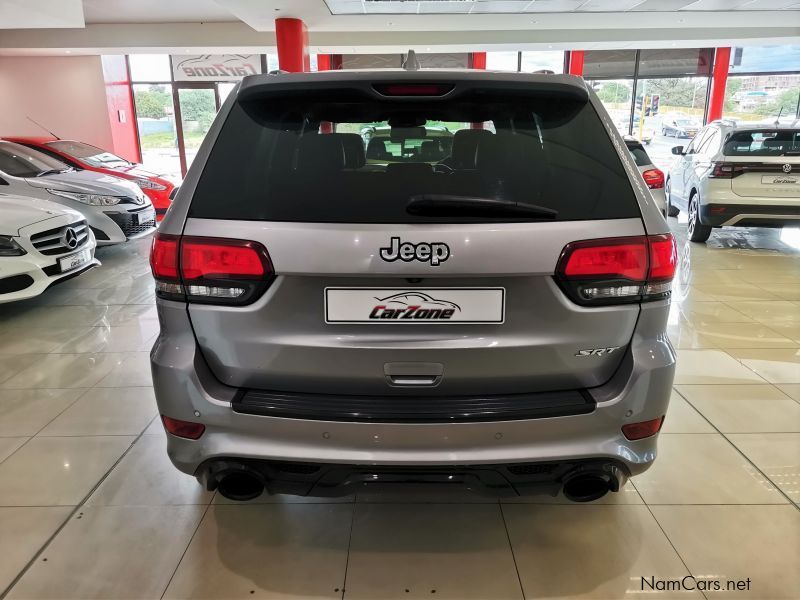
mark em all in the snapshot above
pixel 587 487
pixel 240 485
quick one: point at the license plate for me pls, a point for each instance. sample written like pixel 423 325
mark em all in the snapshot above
pixel 144 216
pixel 414 306
pixel 780 179
pixel 73 261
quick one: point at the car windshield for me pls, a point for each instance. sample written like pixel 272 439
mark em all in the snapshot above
pixel 764 142
pixel 19 161
pixel 684 122
pixel 342 159
pixel 89 154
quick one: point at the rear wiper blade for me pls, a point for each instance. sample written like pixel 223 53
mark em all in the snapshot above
pixel 447 205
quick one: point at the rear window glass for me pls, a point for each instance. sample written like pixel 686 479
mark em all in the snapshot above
pixel 361 160
pixel 640 156
pixel 780 142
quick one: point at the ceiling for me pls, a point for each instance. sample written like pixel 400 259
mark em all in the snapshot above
pixel 33 27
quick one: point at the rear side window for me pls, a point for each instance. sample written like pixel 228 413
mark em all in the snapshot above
pixel 639 155
pixel 780 142
pixel 341 159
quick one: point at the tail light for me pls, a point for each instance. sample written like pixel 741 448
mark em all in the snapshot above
pixel 184 429
pixel 638 431
pixel 725 170
pixel 618 270
pixel 413 89
pixel 209 270
pixel 654 178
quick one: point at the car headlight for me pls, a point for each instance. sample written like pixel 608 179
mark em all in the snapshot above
pixel 8 247
pixel 90 199
pixel 146 184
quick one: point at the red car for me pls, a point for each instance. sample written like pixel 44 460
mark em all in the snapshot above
pixel 80 155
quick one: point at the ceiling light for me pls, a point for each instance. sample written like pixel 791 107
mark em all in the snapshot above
pixel 68 51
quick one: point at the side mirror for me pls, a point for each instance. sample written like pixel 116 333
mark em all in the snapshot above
pixel 3 181
pixel 678 150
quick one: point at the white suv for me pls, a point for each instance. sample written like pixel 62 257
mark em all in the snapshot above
pixel 748 176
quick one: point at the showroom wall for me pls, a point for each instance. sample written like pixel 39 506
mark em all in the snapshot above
pixel 65 94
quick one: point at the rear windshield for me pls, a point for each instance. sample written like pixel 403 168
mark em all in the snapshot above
pixel 780 142
pixel 361 160
pixel 639 155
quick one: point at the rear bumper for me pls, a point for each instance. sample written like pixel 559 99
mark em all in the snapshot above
pixel 750 215
pixel 336 480
pixel 185 389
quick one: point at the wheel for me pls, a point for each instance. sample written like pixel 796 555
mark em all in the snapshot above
pixel 697 231
pixel 672 211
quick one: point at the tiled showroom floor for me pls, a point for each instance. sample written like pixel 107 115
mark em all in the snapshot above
pixel 91 508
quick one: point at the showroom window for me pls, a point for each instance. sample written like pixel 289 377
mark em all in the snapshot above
pixel 764 84
pixel 549 60
pixel 526 62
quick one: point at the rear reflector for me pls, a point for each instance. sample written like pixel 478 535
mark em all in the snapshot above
pixel 616 270
pixel 638 431
pixel 183 429
pixel 654 178
pixel 209 270
pixel 413 89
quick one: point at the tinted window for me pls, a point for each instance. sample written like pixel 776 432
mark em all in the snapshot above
pixel 89 154
pixel 781 142
pixel 20 161
pixel 639 156
pixel 270 161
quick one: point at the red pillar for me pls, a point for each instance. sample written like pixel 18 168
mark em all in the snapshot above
pixel 576 63
pixel 478 61
pixel 291 36
pixel 719 79
pixel 323 62
pixel 121 114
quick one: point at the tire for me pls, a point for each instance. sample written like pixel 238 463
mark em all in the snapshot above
pixel 672 211
pixel 697 231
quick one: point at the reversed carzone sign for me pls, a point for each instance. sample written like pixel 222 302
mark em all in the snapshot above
pixel 414 306
pixel 215 67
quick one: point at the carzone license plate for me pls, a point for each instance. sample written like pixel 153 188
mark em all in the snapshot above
pixel 73 261
pixel 404 306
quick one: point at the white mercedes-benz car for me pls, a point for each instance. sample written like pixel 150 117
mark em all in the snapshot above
pixel 41 244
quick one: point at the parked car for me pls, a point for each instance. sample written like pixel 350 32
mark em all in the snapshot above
pixel 498 324
pixel 729 175
pixel 115 209
pixel 41 244
pixel 679 127
pixel 83 156
pixel 652 175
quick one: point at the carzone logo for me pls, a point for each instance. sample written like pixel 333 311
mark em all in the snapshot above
pixel 413 306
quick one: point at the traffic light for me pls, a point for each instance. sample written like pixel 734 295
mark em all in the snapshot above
pixel 654 104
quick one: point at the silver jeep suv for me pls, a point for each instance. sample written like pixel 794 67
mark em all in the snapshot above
pixel 493 319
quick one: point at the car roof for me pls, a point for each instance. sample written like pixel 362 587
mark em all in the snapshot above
pixel 565 85
pixel 29 139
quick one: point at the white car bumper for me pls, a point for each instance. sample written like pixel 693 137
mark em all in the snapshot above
pixel 29 275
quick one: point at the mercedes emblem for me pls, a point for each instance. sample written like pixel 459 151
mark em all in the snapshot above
pixel 70 238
